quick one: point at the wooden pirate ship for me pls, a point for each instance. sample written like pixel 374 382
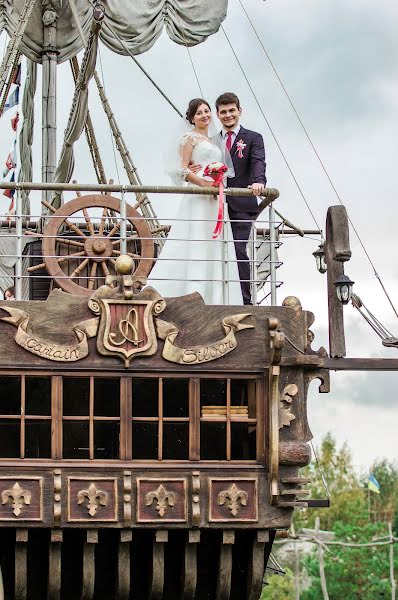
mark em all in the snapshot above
pixel 150 447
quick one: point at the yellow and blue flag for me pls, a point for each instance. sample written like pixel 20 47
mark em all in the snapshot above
pixel 373 484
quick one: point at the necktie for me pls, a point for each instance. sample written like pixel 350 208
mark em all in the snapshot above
pixel 228 144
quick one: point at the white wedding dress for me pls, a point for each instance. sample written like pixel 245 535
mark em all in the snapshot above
pixel 191 261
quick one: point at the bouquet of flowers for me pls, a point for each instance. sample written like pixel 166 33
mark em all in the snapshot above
pixel 216 171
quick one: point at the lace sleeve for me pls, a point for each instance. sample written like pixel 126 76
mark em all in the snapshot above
pixel 191 136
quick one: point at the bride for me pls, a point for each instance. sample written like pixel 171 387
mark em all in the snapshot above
pixel 191 261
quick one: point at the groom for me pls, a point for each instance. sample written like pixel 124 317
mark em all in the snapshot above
pixel 248 156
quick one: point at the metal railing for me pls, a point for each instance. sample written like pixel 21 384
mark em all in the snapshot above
pixel 20 229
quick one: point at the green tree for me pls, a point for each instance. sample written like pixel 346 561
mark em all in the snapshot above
pixel 348 498
pixel 383 506
pixel 352 573
pixel 279 587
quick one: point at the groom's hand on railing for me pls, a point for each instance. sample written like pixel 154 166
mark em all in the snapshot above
pixel 257 188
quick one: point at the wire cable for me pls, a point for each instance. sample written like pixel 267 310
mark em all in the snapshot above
pixel 317 155
pixel 271 131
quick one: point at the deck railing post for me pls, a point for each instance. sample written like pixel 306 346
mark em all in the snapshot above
pixel 272 241
pixel 19 234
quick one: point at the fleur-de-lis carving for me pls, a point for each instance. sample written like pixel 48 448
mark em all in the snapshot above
pixel 17 496
pixel 164 499
pixel 235 496
pixel 95 497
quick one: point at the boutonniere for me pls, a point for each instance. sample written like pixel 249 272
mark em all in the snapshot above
pixel 240 146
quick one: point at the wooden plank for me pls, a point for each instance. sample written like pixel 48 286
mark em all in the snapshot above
pixel 190 567
pixel 56 417
pixel 256 567
pixel 160 415
pixel 21 565
pixel 91 420
pixel 361 364
pixel 160 539
pixel 224 575
pixel 125 418
pixel 54 566
pixel 89 565
pixel 23 413
pixel 194 421
pixel 260 403
pixel 228 419
pixel 123 565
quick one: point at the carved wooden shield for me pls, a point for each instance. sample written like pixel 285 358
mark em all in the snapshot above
pixel 126 329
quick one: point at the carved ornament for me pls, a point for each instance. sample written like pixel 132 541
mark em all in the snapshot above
pixel 235 496
pixel 164 499
pixel 285 413
pixel 18 497
pixel 201 354
pixel 95 498
pixel 125 326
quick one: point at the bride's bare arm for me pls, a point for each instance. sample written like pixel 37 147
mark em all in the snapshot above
pixel 185 161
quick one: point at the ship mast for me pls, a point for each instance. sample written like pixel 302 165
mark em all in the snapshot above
pixel 49 97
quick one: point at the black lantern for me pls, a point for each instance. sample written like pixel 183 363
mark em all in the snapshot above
pixel 320 259
pixel 344 288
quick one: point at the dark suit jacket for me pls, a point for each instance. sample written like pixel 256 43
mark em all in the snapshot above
pixel 248 169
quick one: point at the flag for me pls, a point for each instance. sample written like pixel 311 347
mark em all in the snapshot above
pixel 10 193
pixel 15 121
pixel 373 484
pixel 11 160
pixel 17 75
pixel 13 99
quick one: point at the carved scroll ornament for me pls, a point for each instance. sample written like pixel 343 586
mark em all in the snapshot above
pixel 201 354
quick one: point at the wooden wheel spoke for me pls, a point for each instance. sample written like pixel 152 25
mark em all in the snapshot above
pixel 90 226
pixel 114 230
pixel 74 228
pixel 102 224
pixel 68 242
pixel 117 253
pixel 79 269
pixel 60 259
pixel 105 268
pixel 92 275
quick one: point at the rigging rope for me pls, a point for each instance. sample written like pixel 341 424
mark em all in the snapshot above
pixel 13 45
pixel 89 131
pixel 272 132
pixel 110 128
pixel 317 155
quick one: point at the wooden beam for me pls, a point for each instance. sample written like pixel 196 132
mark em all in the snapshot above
pixel 123 565
pixel 256 565
pixel 225 566
pixel 21 565
pixel 89 564
pixel 361 364
pixel 190 567
pixel 54 566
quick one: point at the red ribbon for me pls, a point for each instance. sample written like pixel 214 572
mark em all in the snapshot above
pixel 218 177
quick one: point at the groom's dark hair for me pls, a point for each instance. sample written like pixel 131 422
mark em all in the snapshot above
pixel 227 98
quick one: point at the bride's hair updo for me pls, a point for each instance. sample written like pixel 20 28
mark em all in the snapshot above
pixel 193 107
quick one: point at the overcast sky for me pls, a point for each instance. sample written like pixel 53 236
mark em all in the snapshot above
pixel 338 61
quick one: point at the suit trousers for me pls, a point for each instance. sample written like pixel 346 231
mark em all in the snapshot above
pixel 241 224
